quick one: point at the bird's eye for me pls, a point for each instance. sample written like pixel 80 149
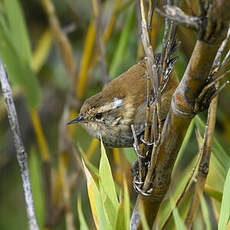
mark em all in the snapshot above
pixel 98 116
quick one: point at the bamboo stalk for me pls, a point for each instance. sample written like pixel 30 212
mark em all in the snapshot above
pixel 182 108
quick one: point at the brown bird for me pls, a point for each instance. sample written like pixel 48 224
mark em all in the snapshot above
pixel 121 103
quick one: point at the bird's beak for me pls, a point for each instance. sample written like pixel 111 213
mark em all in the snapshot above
pixel 77 119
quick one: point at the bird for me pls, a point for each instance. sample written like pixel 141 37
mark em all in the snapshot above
pixel 109 114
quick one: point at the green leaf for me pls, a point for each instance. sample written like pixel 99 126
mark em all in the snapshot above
pixel 99 215
pixel 130 155
pixel 120 222
pixel 9 54
pixel 106 177
pixel 18 28
pixel 178 221
pixel 37 189
pixel 205 212
pixel 123 217
pixel 109 208
pixel 107 187
pixel 175 192
pixel 181 64
pixel 225 205
pixel 83 224
pixel 218 151
pixel 30 87
pixel 122 44
pixel 16 63
pixel 184 144
pixel 126 205
pixel 94 171
pixel 216 171
pixel 217 195
pixel 143 219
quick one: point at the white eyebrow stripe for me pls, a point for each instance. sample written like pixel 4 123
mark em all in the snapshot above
pixel 106 107
pixel 117 102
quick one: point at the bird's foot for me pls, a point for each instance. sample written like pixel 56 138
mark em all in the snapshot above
pixel 139 182
pixel 142 191
pixel 146 142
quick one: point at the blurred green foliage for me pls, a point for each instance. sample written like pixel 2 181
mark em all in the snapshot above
pixel 22 24
pixel 15 51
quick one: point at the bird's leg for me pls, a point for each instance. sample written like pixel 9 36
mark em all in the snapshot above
pixel 138 180
pixel 135 170
pixel 136 144
pixel 141 191
pixel 146 142
pixel 136 183
pixel 138 172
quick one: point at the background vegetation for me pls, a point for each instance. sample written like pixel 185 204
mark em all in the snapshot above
pixel 57 53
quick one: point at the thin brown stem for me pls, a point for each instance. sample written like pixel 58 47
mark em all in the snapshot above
pixel 176 14
pixel 217 62
pixel 147 121
pixel 152 72
pixel 152 4
pixel 204 164
pixel 150 63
